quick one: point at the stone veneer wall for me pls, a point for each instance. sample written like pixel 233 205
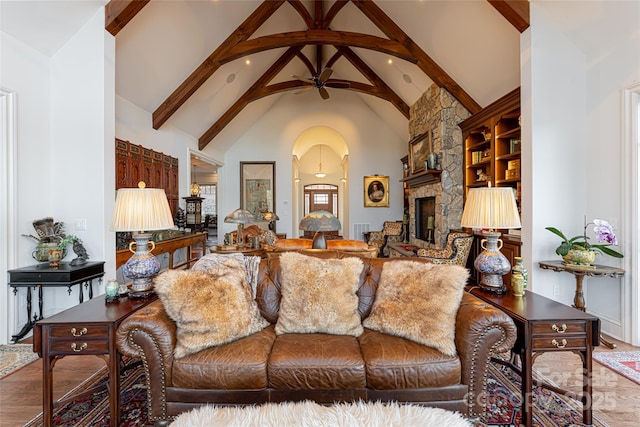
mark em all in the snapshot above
pixel 439 111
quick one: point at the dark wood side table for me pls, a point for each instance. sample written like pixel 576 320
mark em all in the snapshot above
pixel 546 325
pixel 41 276
pixel 86 329
pixel 580 272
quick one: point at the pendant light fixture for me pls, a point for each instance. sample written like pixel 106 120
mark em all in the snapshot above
pixel 320 174
pixel 194 190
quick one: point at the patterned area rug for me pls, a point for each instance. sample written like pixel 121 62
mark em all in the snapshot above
pixel 503 405
pixel 14 357
pixel 625 363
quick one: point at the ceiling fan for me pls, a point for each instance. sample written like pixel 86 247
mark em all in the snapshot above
pixel 320 81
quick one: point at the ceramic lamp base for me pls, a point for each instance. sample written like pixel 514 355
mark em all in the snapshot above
pixel 492 264
pixel 141 266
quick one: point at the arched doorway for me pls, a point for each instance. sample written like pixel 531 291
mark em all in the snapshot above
pixel 320 149
pixel 321 197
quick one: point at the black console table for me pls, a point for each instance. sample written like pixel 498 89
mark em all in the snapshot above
pixel 40 276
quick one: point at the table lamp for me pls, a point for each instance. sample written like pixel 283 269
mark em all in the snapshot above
pixel 270 217
pixel 140 210
pixel 490 209
pixel 319 221
pixel 240 217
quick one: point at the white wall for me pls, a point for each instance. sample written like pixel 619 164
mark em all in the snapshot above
pixel 612 65
pixel 558 150
pixel 78 138
pixel 373 149
pixel 26 73
pixel 64 108
pixel 573 85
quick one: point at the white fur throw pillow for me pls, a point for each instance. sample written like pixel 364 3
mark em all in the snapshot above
pixel 420 302
pixel 209 308
pixel 319 295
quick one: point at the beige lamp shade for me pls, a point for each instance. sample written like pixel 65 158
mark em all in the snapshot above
pixel 491 207
pixel 141 209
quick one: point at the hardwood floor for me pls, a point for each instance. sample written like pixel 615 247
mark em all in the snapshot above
pixel 21 391
pixel 616 399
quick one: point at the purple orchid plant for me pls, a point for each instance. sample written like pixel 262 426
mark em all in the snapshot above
pixel 604 234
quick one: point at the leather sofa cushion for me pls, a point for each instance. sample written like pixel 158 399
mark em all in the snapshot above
pixel 241 364
pixel 316 362
pixel 394 363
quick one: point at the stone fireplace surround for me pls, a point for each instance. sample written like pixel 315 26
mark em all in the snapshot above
pixel 440 112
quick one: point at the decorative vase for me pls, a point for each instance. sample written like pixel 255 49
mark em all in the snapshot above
pixel 579 257
pixel 111 290
pixel 519 277
pixel 55 255
pixel 41 254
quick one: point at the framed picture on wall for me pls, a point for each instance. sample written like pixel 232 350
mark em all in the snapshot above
pixel 376 191
pixel 258 187
pixel 418 149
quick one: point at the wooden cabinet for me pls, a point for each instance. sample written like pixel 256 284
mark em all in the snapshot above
pixel 492 153
pixel 492 145
pixel 194 212
pixel 135 163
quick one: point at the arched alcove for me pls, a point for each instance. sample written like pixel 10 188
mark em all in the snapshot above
pixel 314 146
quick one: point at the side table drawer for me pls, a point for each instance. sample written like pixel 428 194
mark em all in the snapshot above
pixel 559 328
pixel 560 342
pixel 59 348
pixel 79 332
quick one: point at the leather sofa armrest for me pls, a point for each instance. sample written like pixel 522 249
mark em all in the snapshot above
pixel 150 334
pixel 482 331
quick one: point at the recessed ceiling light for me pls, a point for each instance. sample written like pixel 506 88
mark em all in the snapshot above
pixel 390 61
pixel 407 78
pixel 248 61
pixel 231 77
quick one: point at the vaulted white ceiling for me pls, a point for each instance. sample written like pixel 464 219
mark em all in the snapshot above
pixel 163 44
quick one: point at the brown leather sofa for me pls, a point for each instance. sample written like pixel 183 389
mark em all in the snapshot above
pixel 373 366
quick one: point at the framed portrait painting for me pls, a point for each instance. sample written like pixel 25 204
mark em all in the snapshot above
pixel 376 191
pixel 258 187
pixel 418 149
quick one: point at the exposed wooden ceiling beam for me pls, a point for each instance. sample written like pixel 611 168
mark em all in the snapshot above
pixel 424 61
pixel 118 13
pixel 301 38
pixel 333 11
pixel 307 63
pixel 303 12
pixel 371 75
pixel 212 63
pixel 238 45
pixel 248 96
pixel 515 11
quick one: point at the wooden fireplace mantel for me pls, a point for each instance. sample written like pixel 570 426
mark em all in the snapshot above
pixel 426 177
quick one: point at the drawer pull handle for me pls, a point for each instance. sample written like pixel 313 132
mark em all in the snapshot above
pixel 560 330
pixel 75 348
pixel 561 344
pixel 75 334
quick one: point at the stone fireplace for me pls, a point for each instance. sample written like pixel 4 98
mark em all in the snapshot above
pixel 425 214
pixel 439 112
